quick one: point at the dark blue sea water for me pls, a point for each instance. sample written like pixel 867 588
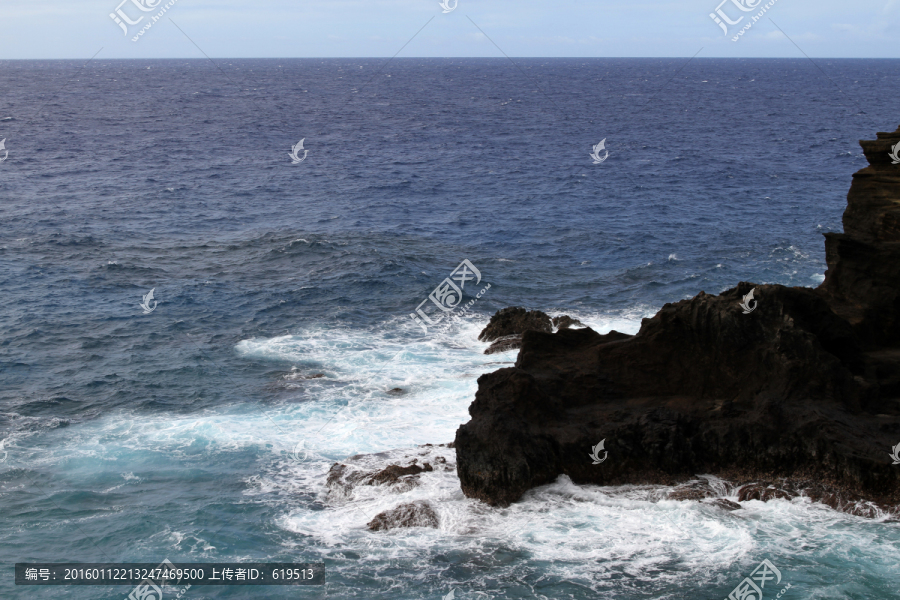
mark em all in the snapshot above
pixel 197 432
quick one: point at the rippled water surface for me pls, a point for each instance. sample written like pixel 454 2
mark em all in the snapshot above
pixel 204 430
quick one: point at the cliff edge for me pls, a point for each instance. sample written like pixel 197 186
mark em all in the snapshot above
pixel 804 387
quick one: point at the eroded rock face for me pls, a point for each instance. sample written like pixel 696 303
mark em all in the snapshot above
pixel 507 326
pixel 507 342
pixel 565 322
pixel 838 499
pixel 863 276
pixel 692 490
pixel 803 387
pixel 724 504
pixel 413 514
pixel 342 478
pixel 512 321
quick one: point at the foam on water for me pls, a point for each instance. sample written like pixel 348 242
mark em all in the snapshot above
pixel 114 417
pixel 585 535
pixel 350 409
pixel 559 535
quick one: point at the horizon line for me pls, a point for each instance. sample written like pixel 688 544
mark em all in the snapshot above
pixel 467 58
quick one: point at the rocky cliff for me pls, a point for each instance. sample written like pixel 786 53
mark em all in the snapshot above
pixel 805 387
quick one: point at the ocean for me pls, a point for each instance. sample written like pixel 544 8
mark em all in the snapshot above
pixel 204 430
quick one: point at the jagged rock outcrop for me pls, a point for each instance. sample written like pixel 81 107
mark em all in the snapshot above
pixel 804 387
pixel 342 478
pixel 411 514
pixel 863 277
pixel 514 320
pixel 506 327
pixel 507 342
pixel 565 322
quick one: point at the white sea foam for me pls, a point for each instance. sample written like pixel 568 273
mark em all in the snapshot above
pixel 624 322
pixel 593 536
pixel 587 534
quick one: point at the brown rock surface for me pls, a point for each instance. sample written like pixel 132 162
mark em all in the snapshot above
pixel 413 514
pixel 344 477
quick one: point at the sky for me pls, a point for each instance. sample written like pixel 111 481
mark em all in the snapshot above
pixel 80 29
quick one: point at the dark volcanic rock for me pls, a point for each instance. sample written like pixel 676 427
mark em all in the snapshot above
pixel 393 473
pixel 863 276
pixel 836 498
pixel 692 490
pixel 344 478
pixel 514 320
pixel 507 325
pixel 507 342
pixel 806 386
pixel 724 503
pixel 764 493
pixel 565 321
pixel 414 514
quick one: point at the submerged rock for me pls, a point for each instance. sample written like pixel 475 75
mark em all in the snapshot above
pixel 343 477
pixel 692 490
pixel 806 385
pixel 723 503
pixel 413 514
pixel 394 474
pixel 764 493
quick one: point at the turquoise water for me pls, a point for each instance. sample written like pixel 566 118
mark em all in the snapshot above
pixel 204 430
